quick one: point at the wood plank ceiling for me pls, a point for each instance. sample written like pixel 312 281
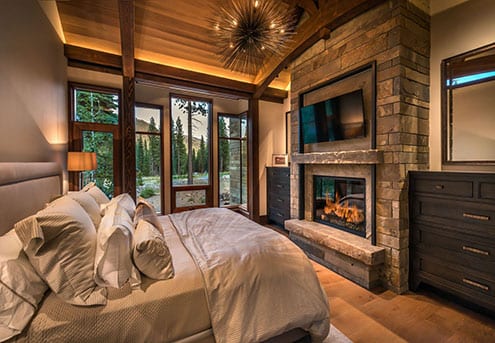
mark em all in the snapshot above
pixel 178 33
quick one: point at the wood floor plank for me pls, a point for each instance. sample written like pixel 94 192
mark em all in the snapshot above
pixel 383 316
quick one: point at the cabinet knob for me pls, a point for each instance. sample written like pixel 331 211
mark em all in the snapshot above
pixel 439 187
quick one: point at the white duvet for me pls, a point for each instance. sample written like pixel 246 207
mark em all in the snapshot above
pixel 258 283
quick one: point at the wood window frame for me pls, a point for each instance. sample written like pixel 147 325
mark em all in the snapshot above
pixel 162 166
pixel 208 188
pixel 242 115
pixel 76 128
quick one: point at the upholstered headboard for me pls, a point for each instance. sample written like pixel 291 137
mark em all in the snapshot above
pixel 25 188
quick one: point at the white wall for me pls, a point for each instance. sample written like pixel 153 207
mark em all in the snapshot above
pixel 459 29
pixel 33 83
pixel 271 140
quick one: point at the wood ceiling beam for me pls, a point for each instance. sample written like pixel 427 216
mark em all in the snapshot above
pixel 127 23
pixel 97 60
pixel 331 14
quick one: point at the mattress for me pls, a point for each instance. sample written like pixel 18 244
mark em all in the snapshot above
pixel 160 311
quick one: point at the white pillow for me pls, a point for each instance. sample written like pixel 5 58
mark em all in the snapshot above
pixel 125 201
pixel 93 190
pixel 89 204
pixel 21 289
pixel 146 211
pixel 151 254
pixel 60 243
pixel 113 263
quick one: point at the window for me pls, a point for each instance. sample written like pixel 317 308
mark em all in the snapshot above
pixel 149 154
pixel 191 152
pixel 95 127
pixel 232 159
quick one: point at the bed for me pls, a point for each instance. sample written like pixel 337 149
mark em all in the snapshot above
pixel 235 281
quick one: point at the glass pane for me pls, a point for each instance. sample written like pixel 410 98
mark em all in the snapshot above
pixel 148 119
pixel 96 107
pixel 102 144
pixel 244 128
pixel 148 168
pixel 190 145
pixel 190 198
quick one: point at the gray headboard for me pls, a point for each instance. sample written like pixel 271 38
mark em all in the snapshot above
pixel 25 188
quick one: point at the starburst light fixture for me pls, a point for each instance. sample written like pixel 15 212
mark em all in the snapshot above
pixel 247 32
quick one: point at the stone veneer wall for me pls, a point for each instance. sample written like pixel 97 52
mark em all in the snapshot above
pixel 396 35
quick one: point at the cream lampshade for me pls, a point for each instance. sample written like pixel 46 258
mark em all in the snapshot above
pixel 78 161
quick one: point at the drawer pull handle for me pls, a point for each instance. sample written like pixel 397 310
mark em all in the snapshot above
pixel 439 187
pixel 476 251
pixel 475 216
pixel 476 284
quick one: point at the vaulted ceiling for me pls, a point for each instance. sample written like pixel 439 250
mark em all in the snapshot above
pixel 179 34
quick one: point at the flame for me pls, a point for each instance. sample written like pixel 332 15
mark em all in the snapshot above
pixel 350 214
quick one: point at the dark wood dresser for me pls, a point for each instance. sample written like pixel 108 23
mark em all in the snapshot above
pixel 452 234
pixel 278 194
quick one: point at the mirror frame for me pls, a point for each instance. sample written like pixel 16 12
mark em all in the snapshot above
pixel 446 117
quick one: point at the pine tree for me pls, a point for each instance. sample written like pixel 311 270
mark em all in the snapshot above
pixel 155 151
pixel 180 149
pixel 224 148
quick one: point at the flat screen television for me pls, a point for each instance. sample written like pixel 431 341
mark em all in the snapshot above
pixel 334 119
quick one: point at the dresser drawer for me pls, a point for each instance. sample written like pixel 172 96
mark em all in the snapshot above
pixel 278 215
pixel 463 280
pixel 455 248
pixel 475 218
pixel 456 188
pixel 278 200
pixel 487 190
pixel 279 172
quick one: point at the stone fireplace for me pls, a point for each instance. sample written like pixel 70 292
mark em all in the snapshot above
pixel 394 37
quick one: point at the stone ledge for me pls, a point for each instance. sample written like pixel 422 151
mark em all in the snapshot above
pixel 347 244
pixel 371 156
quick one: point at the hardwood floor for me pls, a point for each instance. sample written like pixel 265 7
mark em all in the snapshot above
pixel 383 316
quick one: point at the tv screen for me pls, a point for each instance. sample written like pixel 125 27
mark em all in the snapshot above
pixel 334 119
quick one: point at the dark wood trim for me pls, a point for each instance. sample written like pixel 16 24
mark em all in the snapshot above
pixel 253 160
pixel 129 136
pixel 127 23
pixel 102 61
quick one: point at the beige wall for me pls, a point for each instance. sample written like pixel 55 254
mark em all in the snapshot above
pixel 459 29
pixel 33 85
pixel 271 141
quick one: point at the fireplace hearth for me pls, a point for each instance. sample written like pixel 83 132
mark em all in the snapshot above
pixel 340 202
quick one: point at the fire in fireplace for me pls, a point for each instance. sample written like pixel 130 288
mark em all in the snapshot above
pixel 340 203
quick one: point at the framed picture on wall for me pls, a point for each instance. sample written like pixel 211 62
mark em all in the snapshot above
pixel 279 160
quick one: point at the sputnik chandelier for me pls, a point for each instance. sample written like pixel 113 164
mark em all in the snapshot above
pixel 247 32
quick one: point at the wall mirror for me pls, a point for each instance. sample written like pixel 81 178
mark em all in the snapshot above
pixel 468 107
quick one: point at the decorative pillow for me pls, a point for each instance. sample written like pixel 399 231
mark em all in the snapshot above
pixel 125 201
pixel 21 289
pixel 60 242
pixel 146 211
pixel 93 190
pixel 113 263
pixel 151 254
pixel 89 204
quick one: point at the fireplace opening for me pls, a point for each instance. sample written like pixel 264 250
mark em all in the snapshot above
pixel 340 202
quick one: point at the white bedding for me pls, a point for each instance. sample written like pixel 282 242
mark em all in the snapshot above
pixel 258 283
pixel 161 311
